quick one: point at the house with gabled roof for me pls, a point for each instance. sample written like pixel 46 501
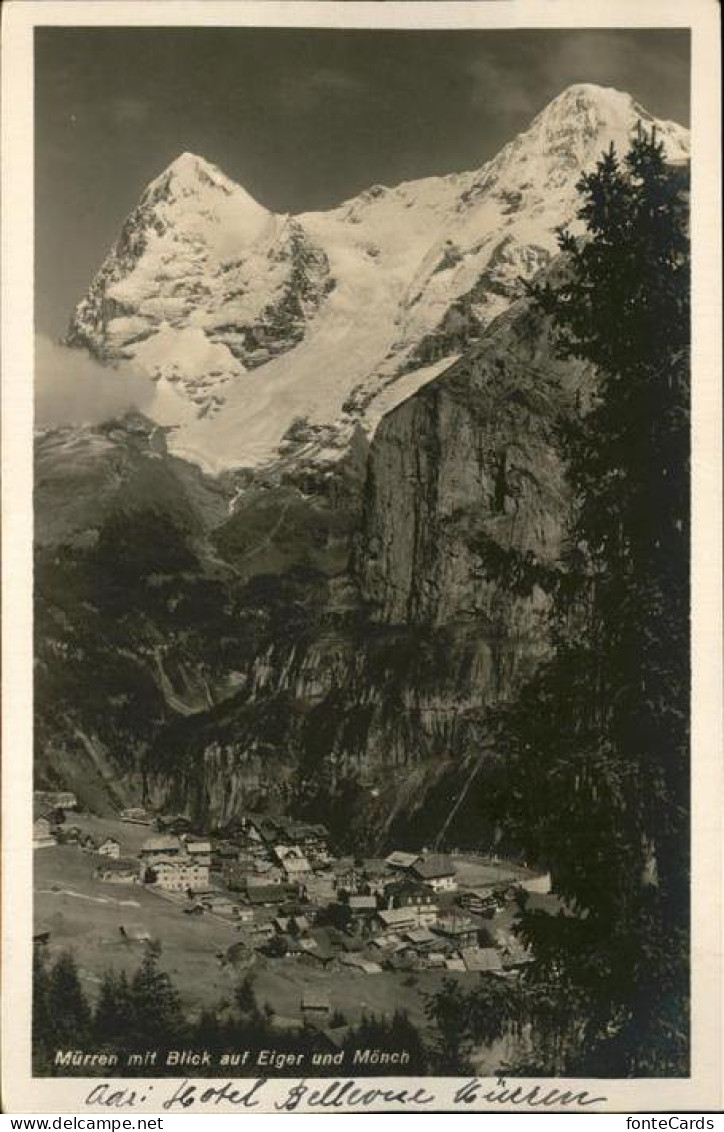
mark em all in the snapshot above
pixel 418 898
pixel 460 930
pixel 119 870
pixel 397 919
pixel 317 947
pixel 315 1004
pixel 162 846
pixel 437 871
pixel 359 905
pixel 401 860
pixel 292 861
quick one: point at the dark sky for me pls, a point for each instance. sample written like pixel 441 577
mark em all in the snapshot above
pixel 301 118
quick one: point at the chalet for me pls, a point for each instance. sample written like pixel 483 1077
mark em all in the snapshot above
pixel 293 863
pixel 402 862
pixel 162 847
pixel 319 887
pixel 198 850
pixel 376 869
pixel 220 904
pixel 42 837
pixel 176 823
pixel 421 939
pixel 314 1004
pixel 119 870
pixel 345 941
pixel 402 961
pixel 486 960
pixel 292 946
pixel 266 895
pixel 259 933
pixel 224 854
pixel 345 873
pixel 359 905
pixel 317 947
pixel 176 874
pixel 436 871
pixel 390 941
pixel 136 815
pixel 237 878
pixel 397 919
pixel 110 848
pixel 481 902
pixel 299 925
pixel 460 930
pixel 260 828
pixel 55 799
pixel 359 963
pixel 417 898
pixel 266 872
pixel 313 840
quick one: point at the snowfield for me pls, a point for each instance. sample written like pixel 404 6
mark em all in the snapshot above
pixel 254 324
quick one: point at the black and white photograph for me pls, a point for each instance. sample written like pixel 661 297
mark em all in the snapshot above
pixel 361 558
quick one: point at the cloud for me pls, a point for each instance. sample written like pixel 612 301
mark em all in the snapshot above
pixel 129 111
pixel 518 77
pixel 71 387
pixel 309 90
pixel 496 83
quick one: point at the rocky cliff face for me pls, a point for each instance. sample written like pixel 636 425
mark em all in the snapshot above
pixel 332 652
pixel 384 699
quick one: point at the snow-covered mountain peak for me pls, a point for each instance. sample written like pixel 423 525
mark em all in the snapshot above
pixel 189 175
pixel 340 314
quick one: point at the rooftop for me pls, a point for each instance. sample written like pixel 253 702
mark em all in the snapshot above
pixel 434 866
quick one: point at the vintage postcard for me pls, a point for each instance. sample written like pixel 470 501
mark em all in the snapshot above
pixel 362 566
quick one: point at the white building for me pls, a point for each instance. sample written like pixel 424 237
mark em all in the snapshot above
pixel 110 848
pixel 436 871
pixel 42 837
pixel 178 874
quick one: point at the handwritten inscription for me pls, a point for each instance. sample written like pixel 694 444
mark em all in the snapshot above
pixel 288 1096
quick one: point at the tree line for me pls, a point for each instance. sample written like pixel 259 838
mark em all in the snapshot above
pixel 145 1012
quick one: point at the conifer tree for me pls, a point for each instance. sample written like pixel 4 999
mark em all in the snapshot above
pixel 157 1013
pixel 67 1006
pixel 595 753
pixel 43 1033
pixel 113 1020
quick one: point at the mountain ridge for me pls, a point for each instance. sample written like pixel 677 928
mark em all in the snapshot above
pixel 260 329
